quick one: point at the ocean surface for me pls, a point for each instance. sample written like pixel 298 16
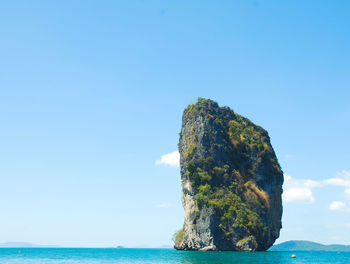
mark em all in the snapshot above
pixel 161 256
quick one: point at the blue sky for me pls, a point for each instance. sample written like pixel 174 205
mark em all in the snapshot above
pixel 92 94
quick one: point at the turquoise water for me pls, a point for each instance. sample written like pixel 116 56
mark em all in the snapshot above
pixel 162 256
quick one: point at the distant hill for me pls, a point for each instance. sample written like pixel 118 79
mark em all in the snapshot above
pixel 24 245
pixel 302 245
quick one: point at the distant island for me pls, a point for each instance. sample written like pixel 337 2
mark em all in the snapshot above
pixel 302 245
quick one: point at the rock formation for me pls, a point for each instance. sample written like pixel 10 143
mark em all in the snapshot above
pixel 231 182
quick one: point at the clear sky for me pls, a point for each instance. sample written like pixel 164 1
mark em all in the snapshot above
pixel 92 94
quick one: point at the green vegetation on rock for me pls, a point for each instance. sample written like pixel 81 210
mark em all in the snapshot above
pixel 225 199
pixel 178 237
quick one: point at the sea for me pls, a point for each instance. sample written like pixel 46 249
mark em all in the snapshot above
pixel 161 256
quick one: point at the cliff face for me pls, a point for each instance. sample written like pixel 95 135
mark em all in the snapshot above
pixel 231 181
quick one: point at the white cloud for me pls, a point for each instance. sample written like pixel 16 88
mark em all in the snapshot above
pixel 338 206
pixel 288 156
pixel 342 179
pixel 298 195
pixel 337 182
pixel 298 190
pixel 171 159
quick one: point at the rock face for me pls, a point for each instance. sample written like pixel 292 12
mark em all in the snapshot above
pixel 231 182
